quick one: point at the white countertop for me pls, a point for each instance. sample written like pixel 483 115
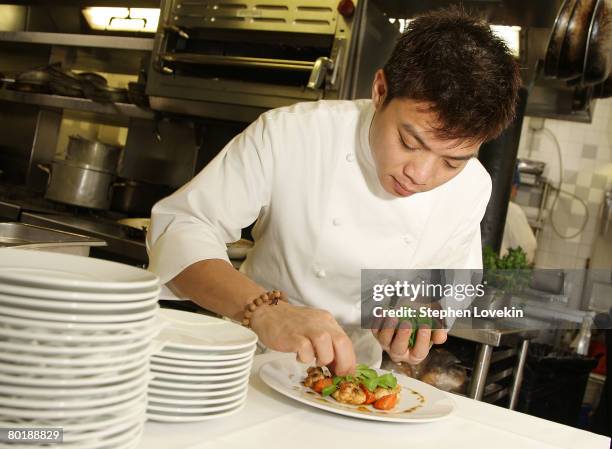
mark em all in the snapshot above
pixel 272 421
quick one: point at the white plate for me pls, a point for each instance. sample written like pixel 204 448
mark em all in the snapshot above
pixel 66 414
pixel 169 417
pixel 74 361
pixel 121 426
pixel 80 425
pixel 207 386
pixel 34 333
pixel 164 368
pixel 54 305
pixel 179 400
pixel 157 357
pixel 116 440
pixel 286 376
pixel 67 272
pixel 48 348
pixel 70 381
pixel 73 430
pixel 203 378
pixel 66 393
pixel 196 394
pixel 77 327
pixel 191 409
pixel 206 356
pixel 57 293
pixel 22 312
pixel 45 370
pixel 191 332
pixel 130 388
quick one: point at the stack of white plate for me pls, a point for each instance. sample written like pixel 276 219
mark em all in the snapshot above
pixel 75 341
pixel 202 370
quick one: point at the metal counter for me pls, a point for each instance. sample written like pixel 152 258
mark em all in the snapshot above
pixel 490 335
pixel 120 245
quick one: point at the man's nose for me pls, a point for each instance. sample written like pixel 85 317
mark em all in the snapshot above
pixel 421 169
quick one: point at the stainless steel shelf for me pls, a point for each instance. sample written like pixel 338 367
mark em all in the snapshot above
pixel 490 332
pixel 78 40
pixel 78 104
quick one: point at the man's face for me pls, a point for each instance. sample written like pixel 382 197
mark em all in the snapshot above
pixel 409 157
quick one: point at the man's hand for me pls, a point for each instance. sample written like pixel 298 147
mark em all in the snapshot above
pixel 311 333
pixel 394 336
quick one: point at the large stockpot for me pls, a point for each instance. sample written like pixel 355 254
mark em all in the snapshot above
pixel 78 184
pixel 96 155
pixel 137 197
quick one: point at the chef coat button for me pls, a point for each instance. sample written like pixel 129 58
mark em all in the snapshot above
pixel 350 157
pixel 321 274
pixel 337 222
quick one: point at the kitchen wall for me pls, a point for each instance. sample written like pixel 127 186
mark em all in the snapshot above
pixel 586 151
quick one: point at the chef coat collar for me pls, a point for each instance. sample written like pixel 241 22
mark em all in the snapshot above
pixel 364 154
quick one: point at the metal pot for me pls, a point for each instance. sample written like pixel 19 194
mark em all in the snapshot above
pixel 95 155
pixel 78 185
pixel 137 197
pixel 557 37
pixel 598 58
pixel 573 52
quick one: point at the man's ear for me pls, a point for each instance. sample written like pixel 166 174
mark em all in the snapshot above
pixel 379 88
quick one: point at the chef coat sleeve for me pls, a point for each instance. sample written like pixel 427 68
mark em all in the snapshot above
pixel 197 221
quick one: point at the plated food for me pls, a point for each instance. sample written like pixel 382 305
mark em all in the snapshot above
pixel 365 387
pixel 416 402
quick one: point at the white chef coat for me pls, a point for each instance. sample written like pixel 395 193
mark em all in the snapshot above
pixel 307 174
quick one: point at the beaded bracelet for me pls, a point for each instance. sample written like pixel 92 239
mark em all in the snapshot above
pixel 270 298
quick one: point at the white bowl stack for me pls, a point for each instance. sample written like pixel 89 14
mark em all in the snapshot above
pixel 75 342
pixel 202 370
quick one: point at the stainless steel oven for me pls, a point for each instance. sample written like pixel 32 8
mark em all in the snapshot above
pixel 233 59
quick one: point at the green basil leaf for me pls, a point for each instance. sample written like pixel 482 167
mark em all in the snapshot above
pixel 387 380
pixel 328 390
pixel 370 384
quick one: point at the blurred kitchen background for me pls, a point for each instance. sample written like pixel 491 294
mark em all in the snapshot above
pixel 106 106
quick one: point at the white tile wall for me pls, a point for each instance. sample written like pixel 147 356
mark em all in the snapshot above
pixel 587 174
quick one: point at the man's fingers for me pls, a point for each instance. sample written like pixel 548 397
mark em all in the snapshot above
pixel 345 359
pixel 323 348
pixel 385 336
pixel 305 351
pixel 399 345
pixel 421 347
pixel 439 336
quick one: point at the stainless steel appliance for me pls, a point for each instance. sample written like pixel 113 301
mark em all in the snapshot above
pixel 234 60
pixel 25 236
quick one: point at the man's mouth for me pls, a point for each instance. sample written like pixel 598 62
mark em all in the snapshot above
pixel 400 189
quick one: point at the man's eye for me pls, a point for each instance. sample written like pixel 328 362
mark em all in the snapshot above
pixel 405 145
pixel 449 165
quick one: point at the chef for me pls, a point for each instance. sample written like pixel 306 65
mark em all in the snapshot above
pixel 517 230
pixel 339 186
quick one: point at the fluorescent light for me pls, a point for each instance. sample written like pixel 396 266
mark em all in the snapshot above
pixel 142 20
pixel 511 35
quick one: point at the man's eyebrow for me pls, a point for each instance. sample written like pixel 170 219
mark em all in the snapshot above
pixel 461 158
pixel 413 132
